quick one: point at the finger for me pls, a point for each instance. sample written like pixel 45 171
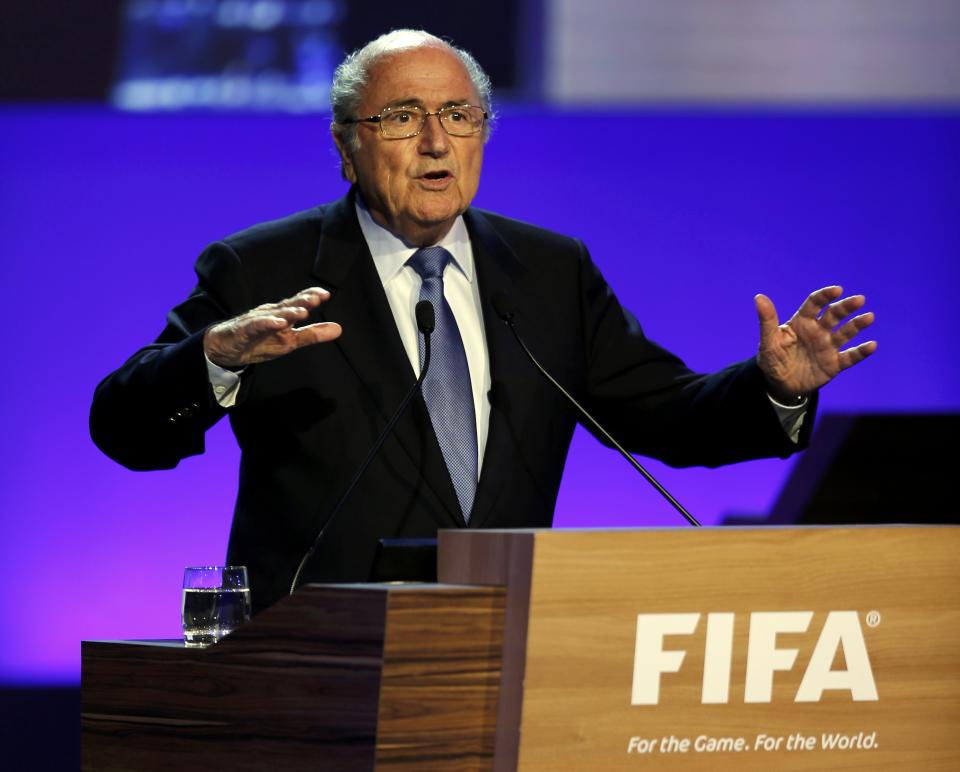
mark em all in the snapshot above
pixel 818 300
pixel 847 331
pixel 258 326
pixel 310 298
pixel 852 356
pixel 289 313
pixel 835 313
pixel 767 314
pixel 320 332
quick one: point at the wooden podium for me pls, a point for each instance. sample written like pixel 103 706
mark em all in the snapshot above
pixel 752 649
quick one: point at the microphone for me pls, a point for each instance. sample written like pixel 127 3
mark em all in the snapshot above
pixel 426 321
pixel 506 313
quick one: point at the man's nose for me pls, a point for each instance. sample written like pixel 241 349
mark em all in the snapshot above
pixel 433 138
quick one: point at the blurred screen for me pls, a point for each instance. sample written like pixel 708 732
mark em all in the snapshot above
pixel 260 54
pixel 277 55
pixel 767 51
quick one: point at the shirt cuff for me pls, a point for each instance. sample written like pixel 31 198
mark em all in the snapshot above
pixel 225 383
pixel 791 417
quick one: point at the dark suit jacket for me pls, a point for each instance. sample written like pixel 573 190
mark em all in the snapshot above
pixel 304 422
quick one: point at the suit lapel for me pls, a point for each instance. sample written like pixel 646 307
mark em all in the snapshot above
pixel 498 271
pixel 371 344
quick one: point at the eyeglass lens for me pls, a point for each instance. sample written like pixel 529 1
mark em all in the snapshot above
pixel 408 121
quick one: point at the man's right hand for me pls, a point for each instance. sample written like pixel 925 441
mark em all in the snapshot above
pixel 267 332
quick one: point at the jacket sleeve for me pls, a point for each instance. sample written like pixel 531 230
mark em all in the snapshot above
pixel 154 410
pixel 652 403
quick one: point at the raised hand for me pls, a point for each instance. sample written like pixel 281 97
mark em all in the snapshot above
pixel 267 332
pixel 807 352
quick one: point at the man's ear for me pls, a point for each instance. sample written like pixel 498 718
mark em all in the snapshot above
pixel 346 161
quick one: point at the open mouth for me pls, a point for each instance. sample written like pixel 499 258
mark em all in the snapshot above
pixel 441 175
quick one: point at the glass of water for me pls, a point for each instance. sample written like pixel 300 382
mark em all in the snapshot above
pixel 216 601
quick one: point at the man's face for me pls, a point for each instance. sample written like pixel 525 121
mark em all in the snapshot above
pixel 416 186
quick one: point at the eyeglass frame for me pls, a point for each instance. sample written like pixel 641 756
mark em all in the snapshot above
pixel 378 119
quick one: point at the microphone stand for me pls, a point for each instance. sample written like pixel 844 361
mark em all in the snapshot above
pixel 425 323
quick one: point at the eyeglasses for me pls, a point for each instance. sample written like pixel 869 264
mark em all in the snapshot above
pixel 403 122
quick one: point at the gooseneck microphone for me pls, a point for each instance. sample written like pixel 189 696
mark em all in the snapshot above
pixel 505 311
pixel 426 321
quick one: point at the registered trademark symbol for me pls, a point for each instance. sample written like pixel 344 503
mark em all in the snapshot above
pixel 873 618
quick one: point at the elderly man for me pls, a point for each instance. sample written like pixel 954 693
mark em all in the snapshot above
pixel 485 445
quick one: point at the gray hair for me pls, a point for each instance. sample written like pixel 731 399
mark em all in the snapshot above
pixel 351 76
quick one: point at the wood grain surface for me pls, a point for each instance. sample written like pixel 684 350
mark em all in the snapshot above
pixel 299 687
pixel 586 589
pixel 441 676
pixel 497 558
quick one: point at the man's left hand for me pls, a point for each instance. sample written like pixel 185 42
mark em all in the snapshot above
pixel 807 352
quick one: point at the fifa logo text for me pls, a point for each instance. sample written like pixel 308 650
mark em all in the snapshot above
pixel 764 657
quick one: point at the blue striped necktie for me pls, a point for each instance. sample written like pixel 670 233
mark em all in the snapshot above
pixel 446 389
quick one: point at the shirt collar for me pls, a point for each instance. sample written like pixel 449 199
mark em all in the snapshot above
pixel 391 253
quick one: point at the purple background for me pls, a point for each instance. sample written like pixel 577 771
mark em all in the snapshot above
pixel 688 214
